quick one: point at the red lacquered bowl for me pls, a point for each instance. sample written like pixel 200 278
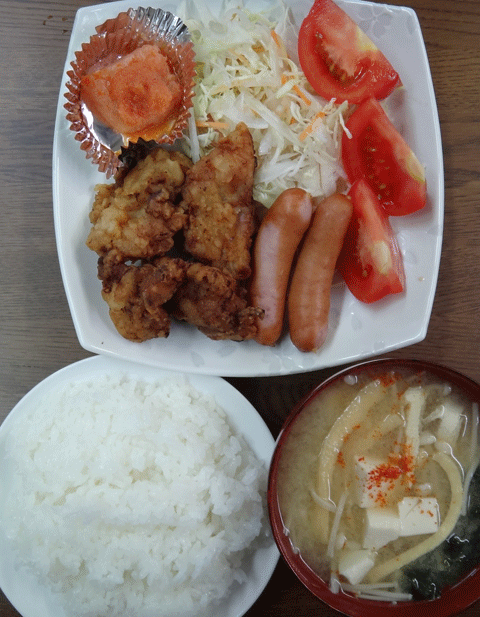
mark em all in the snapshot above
pixel 453 599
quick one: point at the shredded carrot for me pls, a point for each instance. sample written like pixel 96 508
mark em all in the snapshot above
pixel 219 126
pixel 282 50
pixel 312 126
pixel 296 89
pixel 304 98
pixel 277 39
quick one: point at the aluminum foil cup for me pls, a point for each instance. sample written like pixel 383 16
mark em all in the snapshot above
pixel 114 39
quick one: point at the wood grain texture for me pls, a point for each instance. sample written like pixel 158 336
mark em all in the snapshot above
pixel 37 336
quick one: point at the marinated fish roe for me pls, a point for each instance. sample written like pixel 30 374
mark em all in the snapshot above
pixel 134 93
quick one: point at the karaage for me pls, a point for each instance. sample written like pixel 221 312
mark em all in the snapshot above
pixel 136 294
pixel 213 301
pixel 149 271
pixel 140 213
pixel 217 196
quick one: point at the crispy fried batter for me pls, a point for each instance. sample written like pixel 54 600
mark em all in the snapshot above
pixel 218 197
pixel 134 222
pixel 213 301
pixel 136 294
pixel 139 214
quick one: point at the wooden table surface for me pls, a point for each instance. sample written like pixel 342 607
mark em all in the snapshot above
pixel 37 336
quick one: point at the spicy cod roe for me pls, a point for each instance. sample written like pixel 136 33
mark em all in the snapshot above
pixel 135 95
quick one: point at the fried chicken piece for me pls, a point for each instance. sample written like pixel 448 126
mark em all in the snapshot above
pixel 140 213
pixel 136 294
pixel 218 197
pixel 213 301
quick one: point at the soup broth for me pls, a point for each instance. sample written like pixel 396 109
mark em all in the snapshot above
pixel 374 477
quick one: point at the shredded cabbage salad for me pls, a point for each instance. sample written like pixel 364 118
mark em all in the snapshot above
pixel 247 72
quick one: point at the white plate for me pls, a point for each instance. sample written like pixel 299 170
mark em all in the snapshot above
pixel 24 592
pixel 357 330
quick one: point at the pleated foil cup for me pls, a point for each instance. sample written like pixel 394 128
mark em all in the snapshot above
pixel 114 39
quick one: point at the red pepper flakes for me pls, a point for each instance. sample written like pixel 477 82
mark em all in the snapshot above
pixel 388 379
pixel 397 466
pixel 341 459
pixel 348 435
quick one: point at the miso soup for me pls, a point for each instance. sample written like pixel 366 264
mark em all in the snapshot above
pixel 375 479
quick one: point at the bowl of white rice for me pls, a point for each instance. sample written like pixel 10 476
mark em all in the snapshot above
pixel 127 490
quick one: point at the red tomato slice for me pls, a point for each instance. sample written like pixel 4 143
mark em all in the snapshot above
pixel 377 152
pixel 339 59
pixel 370 261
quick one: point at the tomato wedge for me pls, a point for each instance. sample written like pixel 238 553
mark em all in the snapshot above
pixel 339 59
pixel 377 152
pixel 370 260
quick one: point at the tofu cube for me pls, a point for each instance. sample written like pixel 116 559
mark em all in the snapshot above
pixel 370 490
pixel 450 423
pixel 418 515
pixel 414 401
pixel 355 565
pixel 412 516
pixel 382 525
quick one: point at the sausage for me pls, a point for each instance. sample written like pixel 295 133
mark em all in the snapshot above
pixel 309 295
pixel 278 238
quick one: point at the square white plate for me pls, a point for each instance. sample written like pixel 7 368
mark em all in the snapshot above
pixel 357 331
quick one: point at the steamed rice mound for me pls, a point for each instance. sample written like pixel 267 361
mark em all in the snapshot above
pixel 134 498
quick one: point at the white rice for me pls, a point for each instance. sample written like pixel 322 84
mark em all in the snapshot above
pixel 134 499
